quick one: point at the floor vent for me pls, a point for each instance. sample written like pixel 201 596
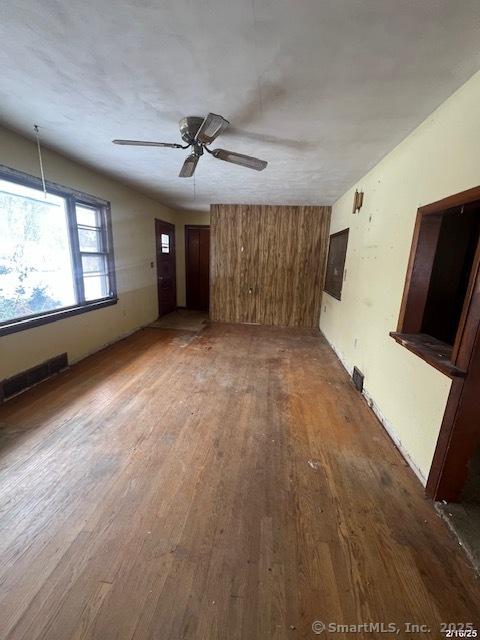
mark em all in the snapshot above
pixel 357 377
pixel 11 386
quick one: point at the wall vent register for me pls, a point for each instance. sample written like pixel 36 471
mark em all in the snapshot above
pixel 10 387
pixel 357 377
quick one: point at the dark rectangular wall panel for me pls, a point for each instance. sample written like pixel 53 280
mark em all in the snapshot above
pixel 268 264
pixel 337 252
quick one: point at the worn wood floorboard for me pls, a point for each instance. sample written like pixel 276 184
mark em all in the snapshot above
pixel 230 484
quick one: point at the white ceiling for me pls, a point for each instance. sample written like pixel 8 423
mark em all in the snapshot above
pixel 322 89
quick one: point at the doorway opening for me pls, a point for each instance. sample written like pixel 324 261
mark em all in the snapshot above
pixel 440 322
pixel 166 271
pixel 197 267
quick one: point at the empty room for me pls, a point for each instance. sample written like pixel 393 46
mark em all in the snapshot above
pixel 239 319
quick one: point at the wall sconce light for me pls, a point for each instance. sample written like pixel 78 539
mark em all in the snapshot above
pixel 357 201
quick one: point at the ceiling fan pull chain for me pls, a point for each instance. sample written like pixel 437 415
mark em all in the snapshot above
pixel 37 136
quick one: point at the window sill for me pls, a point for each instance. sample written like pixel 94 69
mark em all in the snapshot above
pixel 433 351
pixel 53 316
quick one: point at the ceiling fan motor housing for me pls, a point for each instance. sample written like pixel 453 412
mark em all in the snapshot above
pixel 189 127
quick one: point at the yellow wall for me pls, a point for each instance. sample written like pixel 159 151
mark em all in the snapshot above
pixel 440 158
pixel 133 217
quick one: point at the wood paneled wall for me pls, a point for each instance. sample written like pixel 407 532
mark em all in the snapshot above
pixel 267 264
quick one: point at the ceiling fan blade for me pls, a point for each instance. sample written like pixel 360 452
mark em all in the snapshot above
pixel 145 143
pixel 240 158
pixel 189 165
pixel 211 127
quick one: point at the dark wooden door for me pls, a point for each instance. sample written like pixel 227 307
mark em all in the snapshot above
pixel 197 266
pixel 166 273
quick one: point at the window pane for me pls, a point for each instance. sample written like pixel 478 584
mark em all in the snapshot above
pixel 95 287
pixel 89 239
pixel 87 216
pixel 93 264
pixel 165 241
pixel 35 262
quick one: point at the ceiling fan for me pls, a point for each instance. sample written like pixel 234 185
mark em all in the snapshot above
pixel 198 133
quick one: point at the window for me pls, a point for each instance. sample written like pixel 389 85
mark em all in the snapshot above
pixel 443 264
pixel 93 252
pixel 337 253
pixel 165 240
pixel 56 255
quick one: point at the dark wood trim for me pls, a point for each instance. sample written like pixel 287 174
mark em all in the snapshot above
pixel 460 429
pixel 457 200
pixel 174 254
pixel 427 227
pixel 165 222
pixel 58 314
pixel 417 282
pixel 470 317
pixel 419 271
pixel 459 435
pixel 431 350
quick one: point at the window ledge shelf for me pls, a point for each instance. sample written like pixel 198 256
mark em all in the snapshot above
pixel 433 351
pixel 59 314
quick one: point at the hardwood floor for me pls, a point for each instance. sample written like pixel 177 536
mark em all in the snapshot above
pixel 225 485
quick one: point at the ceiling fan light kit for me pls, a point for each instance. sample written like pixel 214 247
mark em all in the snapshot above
pixel 198 133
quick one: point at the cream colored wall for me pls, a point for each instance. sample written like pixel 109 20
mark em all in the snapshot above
pixel 133 217
pixel 440 158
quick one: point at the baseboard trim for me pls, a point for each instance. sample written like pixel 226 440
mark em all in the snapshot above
pixel 388 427
pixel 122 336
pixel 70 363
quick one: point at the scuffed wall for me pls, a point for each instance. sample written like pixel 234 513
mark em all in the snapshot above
pixel 440 158
pixel 133 217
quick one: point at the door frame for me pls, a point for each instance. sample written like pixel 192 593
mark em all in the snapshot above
pixel 186 229
pixel 459 434
pixel 158 249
